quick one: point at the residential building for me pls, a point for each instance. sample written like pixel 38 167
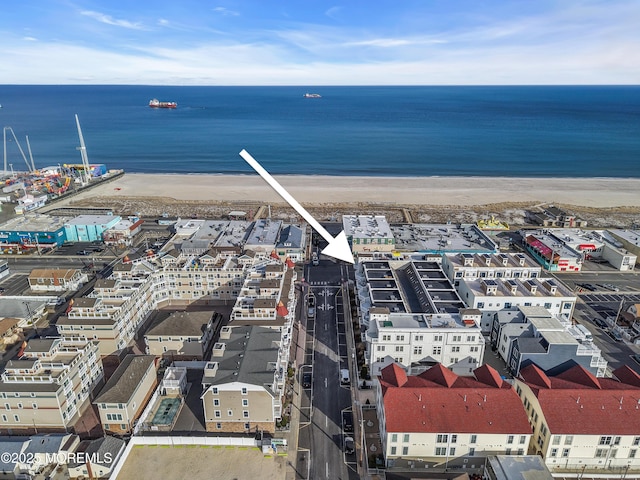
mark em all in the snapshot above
pixel 96 458
pixel 405 286
pixel 505 266
pixel 263 236
pixel 49 386
pixel 552 216
pixel 582 423
pixel 368 233
pixel 124 396
pixel 292 243
pixel 492 295
pixel 123 232
pixel 419 341
pixel 533 335
pixel 36 456
pixel 449 421
pixel 185 335
pixel 56 280
pixel 551 253
pixel 243 384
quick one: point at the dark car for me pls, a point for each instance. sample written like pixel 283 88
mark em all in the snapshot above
pixel 82 252
pixel 347 421
pixel 349 445
pixel 600 323
pixel 589 286
pixel 306 380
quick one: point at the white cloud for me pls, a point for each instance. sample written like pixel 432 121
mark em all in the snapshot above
pixel 109 20
pixel 30 39
pixel 226 12
pixel 333 12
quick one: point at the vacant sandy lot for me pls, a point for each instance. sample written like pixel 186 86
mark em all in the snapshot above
pixel 201 463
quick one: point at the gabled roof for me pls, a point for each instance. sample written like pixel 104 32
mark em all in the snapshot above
pixel 126 379
pixel 440 401
pixel 575 402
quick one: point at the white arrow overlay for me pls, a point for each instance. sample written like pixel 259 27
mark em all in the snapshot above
pixel 338 247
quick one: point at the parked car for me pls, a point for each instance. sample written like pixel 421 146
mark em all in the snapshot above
pixel 588 286
pixel 349 445
pixel 306 380
pixel 347 421
pixel 611 286
pixel 600 323
pixel 82 252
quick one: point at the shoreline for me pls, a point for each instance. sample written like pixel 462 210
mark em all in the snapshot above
pixel 323 189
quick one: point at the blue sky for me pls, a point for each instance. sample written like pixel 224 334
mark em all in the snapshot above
pixel 313 42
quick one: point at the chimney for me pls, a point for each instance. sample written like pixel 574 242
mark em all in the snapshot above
pixel 210 369
pixel 552 287
pixel 487 260
pixel 225 333
pixel 505 260
pixel 531 286
pixel 218 350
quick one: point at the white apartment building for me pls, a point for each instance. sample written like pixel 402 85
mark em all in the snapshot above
pixel 419 341
pixel 49 386
pixel 56 280
pixel 471 266
pixel 597 245
pixel 492 295
pixel 444 420
pixel 582 423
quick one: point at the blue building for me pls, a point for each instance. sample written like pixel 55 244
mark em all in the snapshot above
pixel 32 230
pixel 89 228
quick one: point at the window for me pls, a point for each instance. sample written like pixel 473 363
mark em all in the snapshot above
pixel 554 452
pixel 474 439
pixel 480 305
pixel 441 450
pixel 16 418
pixel 400 338
pixel 636 441
pixel 454 438
pixel 442 438
pixel 452 451
pixel 520 451
pixel 405 450
pixel 214 390
pixel 245 402
pixel 394 437
pixel 229 412
pixel 507 451
pixel 437 350
pixel 556 439
pixel 605 441
pixel 218 426
pixel 399 348
pixel 419 338
pixel 437 338
pixel 109 417
pixel 4 419
pixel 34 406
pixel 417 350
pixel 472 451
pixel 217 414
pixel 568 440
pixel 247 426
pixel 216 402
pixel 19 406
pixel 244 390
pixel 471 338
pixel 547 305
pixel 393 450
pixel 245 413
pixel 632 453
pixel 523 438
pixel 565 452
pixel 510 439
pixel 456 338
pixel 601 453
pixel 455 349
pixel 405 438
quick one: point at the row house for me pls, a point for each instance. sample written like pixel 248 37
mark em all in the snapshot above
pixel 582 423
pixel 186 335
pixel 492 295
pixel 56 280
pixel 533 335
pixel 244 382
pixel 419 341
pixel 49 386
pixel 444 420
pixel 126 393
pixel 472 266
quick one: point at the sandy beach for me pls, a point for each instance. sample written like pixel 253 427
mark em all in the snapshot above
pixel 318 190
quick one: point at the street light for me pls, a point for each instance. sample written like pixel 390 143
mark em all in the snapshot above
pixel 30 317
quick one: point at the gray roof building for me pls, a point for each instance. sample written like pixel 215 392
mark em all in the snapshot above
pixel 124 381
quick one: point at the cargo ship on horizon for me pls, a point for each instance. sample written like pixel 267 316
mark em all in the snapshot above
pixel 155 103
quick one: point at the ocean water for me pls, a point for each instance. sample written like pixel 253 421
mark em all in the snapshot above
pixel 563 131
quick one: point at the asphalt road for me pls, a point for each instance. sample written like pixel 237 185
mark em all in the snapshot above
pixel 321 435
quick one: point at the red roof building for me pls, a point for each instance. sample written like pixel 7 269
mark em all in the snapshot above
pixel 582 421
pixel 445 419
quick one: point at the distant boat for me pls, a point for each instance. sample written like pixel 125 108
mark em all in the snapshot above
pixel 155 103
pixel 312 95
